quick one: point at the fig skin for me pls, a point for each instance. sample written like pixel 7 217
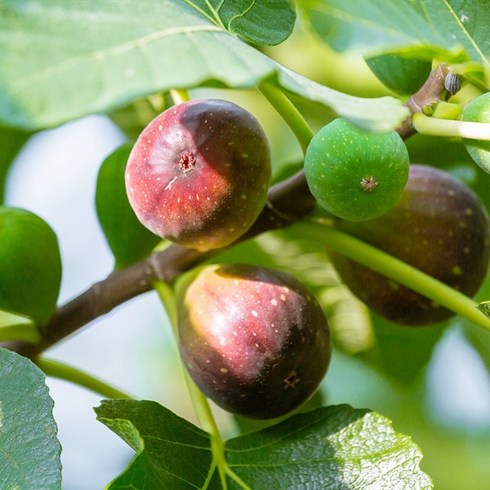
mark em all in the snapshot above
pixel 353 173
pixel 254 340
pixel 440 227
pixel 199 173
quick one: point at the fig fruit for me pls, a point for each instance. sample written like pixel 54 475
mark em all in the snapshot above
pixel 440 227
pixel 478 110
pixel 199 173
pixel 30 265
pixel 402 75
pixel 356 174
pixel 254 340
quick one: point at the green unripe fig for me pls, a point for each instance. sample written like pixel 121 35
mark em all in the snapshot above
pixel 199 173
pixel 356 174
pixel 438 226
pixel 254 340
pixel 402 75
pixel 478 110
pixel 30 265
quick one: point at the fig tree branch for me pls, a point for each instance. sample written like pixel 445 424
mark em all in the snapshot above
pixel 289 201
pixel 430 93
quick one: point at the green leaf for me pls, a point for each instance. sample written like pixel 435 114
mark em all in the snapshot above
pixel 336 447
pixel 101 56
pixel 128 239
pixel 17 327
pixel 30 265
pixel 29 449
pixel 449 30
pixel 171 452
pixel 11 141
pixel 402 75
pixel 259 22
pixel 367 113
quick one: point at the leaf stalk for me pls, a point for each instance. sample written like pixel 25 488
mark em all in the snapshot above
pixel 60 370
pixel 450 128
pixel 288 111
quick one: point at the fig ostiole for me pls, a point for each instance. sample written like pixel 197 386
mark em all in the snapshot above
pixel 439 226
pixel 199 173
pixel 356 174
pixel 254 340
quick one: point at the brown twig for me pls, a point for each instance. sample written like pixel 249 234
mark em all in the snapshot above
pixel 430 93
pixel 288 201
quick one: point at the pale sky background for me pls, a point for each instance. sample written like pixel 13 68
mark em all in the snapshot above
pixel 55 177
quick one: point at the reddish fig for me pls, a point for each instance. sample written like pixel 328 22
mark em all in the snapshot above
pixel 198 174
pixel 254 340
pixel 440 227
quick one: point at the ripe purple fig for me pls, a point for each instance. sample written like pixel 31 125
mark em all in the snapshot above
pixel 254 340
pixel 440 227
pixel 199 173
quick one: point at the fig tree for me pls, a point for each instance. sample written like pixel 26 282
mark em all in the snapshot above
pixel 478 110
pixel 199 173
pixel 254 340
pixel 356 174
pixel 440 227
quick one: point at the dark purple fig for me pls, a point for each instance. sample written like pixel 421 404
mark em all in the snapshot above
pixel 440 227
pixel 199 173
pixel 254 340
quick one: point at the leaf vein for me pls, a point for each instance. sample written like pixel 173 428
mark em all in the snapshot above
pixel 397 448
pixel 202 12
pixel 465 32
pixel 245 12
pixel 302 428
pixel 176 443
pixel 357 20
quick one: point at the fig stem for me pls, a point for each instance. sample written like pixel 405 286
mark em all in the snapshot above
pixel 288 111
pixel 167 297
pixel 448 127
pixel 430 93
pixel 201 405
pixel 393 268
pixel 60 370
